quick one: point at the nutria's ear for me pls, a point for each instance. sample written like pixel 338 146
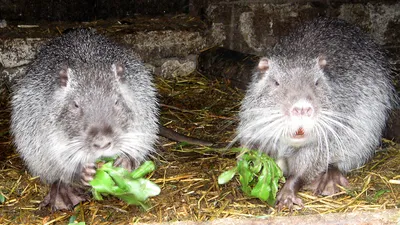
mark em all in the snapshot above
pixel 322 61
pixel 118 70
pixel 263 65
pixel 64 75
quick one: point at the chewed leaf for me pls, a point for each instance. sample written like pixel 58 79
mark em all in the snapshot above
pixel 129 187
pixel 262 189
pixel 120 175
pixel 259 175
pixel 144 169
pixel 96 195
pixel 149 188
pixel 255 166
pixel 107 159
pixel 226 176
pixel 102 182
pixel 245 176
pixel 139 190
pixel 106 166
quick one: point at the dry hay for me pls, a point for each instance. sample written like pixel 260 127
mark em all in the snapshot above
pixel 187 174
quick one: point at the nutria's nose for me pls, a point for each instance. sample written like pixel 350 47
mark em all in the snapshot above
pixel 302 108
pixel 101 137
pixel 101 143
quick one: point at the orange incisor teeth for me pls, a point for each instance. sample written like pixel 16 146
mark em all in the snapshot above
pixel 300 131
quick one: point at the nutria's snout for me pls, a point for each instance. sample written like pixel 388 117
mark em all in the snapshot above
pixel 301 115
pixel 101 137
pixel 302 108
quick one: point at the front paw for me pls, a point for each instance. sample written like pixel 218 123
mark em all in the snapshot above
pixel 87 173
pixel 125 162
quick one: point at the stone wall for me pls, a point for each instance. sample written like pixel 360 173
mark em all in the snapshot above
pixel 254 26
pixel 168 45
pixel 86 10
pixel 250 26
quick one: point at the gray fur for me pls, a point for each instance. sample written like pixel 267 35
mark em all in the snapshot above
pixel 351 99
pixel 60 129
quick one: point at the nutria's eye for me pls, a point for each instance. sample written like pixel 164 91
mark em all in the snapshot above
pixel 317 82
pixel 74 107
pixel 118 101
pixel 274 82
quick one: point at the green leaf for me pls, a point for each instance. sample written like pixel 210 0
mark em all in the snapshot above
pixel 146 168
pixel 103 182
pixel 120 177
pixel 108 159
pixel 267 172
pixel 143 189
pixel 380 193
pixel 274 189
pixel 262 189
pixel 72 221
pixel 255 166
pixel 182 144
pixel 139 191
pixel 245 176
pixel 129 187
pixel 106 166
pixel 277 171
pixel 96 195
pixel 2 198
pixel 259 175
pixel 149 188
pixel 226 176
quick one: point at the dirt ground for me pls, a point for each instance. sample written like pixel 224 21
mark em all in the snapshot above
pixel 187 174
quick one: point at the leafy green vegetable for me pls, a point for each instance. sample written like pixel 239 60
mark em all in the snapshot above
pixel 73 222
pixel 130 187
pixel 226 176
pixel 145 168
pixel 2 198
pixel 259 175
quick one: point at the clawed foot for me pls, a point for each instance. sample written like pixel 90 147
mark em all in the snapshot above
pixel 287 196
pixel 63 197
pixel 287 199
pixel 327 183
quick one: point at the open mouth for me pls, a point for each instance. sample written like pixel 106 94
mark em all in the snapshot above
pixel 299 133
